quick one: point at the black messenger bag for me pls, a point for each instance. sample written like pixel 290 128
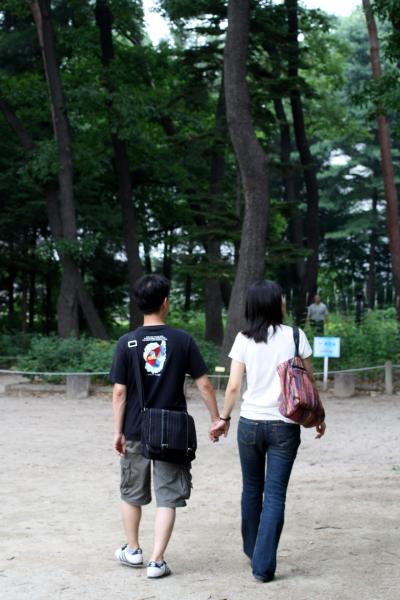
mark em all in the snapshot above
pixel 168 435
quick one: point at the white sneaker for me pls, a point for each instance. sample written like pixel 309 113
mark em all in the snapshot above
pixel 132 559
pixel 157 569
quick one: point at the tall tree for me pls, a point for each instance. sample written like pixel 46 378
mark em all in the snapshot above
pixel 392 210
pixel 309 283
pixel 72 286
pixel 253 165
pixel 214 330
pixel 104 19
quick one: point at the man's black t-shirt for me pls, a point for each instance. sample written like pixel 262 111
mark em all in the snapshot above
pixel 165 355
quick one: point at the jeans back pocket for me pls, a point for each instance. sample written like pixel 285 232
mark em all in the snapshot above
pixel 247 431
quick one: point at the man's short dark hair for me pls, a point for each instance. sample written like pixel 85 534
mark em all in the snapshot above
pixel 150 292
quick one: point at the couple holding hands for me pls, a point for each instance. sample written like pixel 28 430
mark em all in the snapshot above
pixel 267 441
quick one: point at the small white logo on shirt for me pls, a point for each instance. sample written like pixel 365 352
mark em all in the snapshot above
pixel 132 344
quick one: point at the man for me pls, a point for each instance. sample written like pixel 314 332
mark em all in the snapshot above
pixel 317 315
pixel 166 354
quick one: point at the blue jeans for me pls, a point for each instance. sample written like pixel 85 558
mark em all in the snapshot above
pixel 267 451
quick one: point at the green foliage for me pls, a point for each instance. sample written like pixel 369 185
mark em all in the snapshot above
pixel 162 102
pixel 54 354
pixel 374 342
pixel 15 344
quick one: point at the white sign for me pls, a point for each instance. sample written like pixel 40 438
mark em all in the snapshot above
pixel 327 347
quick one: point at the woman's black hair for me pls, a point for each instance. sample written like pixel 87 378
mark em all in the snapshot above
pixel 263 309
pixel 150 292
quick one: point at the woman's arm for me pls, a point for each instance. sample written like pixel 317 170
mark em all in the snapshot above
pixel 231 395
pixel 309 368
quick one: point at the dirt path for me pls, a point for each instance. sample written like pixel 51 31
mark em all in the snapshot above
pixel 60 521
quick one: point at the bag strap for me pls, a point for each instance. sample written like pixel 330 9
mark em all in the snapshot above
pixel 138 375
pixel 296 339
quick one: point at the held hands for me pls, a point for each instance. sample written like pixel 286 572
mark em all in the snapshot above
pixel 119 444
pixel 320 430
pixel 218 428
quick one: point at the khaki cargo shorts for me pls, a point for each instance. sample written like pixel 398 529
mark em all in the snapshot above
pixel 172 483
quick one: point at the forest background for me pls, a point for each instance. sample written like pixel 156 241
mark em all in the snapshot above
pixel 238 148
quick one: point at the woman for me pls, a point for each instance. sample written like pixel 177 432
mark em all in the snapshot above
pixel 265 437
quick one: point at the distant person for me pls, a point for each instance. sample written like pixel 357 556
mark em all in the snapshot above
pixel 360 308
pixel 267 441
pixel 317 315
pixel 166 355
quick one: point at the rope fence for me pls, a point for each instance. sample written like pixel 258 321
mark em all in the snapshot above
pixel 211 376
pixel 73 378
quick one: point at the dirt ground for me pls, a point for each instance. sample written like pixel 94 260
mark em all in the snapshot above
pixel 60 520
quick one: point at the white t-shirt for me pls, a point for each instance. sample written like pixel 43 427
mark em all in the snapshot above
pixel 260 400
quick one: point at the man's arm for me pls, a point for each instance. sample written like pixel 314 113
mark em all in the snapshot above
pixel 208 395
pixel 118 406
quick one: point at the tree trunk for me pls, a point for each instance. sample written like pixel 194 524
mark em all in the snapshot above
pixel 188 292
pixel 32 299
pixel 121 163
pixel 167 256
pixel 309 283
pixel 24 303
pixel 253 166
pixel 12 274
pixel 392 210
pixel 372 252
pixel 48 304
pixel 42 15
pixel 66 305
pixel 214 331
pixel 71 276
pixel 295 226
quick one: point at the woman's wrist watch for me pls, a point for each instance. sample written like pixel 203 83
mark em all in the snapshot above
pixel 225 418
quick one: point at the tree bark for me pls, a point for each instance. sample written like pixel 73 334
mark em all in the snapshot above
pixel 214 330
pixel 167 255
pixel 295 226
pixel 312 230
pixel 12 274
pixel 104 21
pixel 253 166
pixel 42 16
pixel 48 304
pixel 392 210
pixel 32 299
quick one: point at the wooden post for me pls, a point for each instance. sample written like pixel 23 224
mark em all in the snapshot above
pixel 219 370
pixel 388 377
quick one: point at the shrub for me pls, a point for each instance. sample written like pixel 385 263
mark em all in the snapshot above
pixel 14 343
pixel 54 354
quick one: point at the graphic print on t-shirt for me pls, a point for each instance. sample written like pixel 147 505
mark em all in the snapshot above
pixel 154 355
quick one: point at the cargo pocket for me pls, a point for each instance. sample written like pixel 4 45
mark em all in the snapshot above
pixel 186 483
pixel 126 475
